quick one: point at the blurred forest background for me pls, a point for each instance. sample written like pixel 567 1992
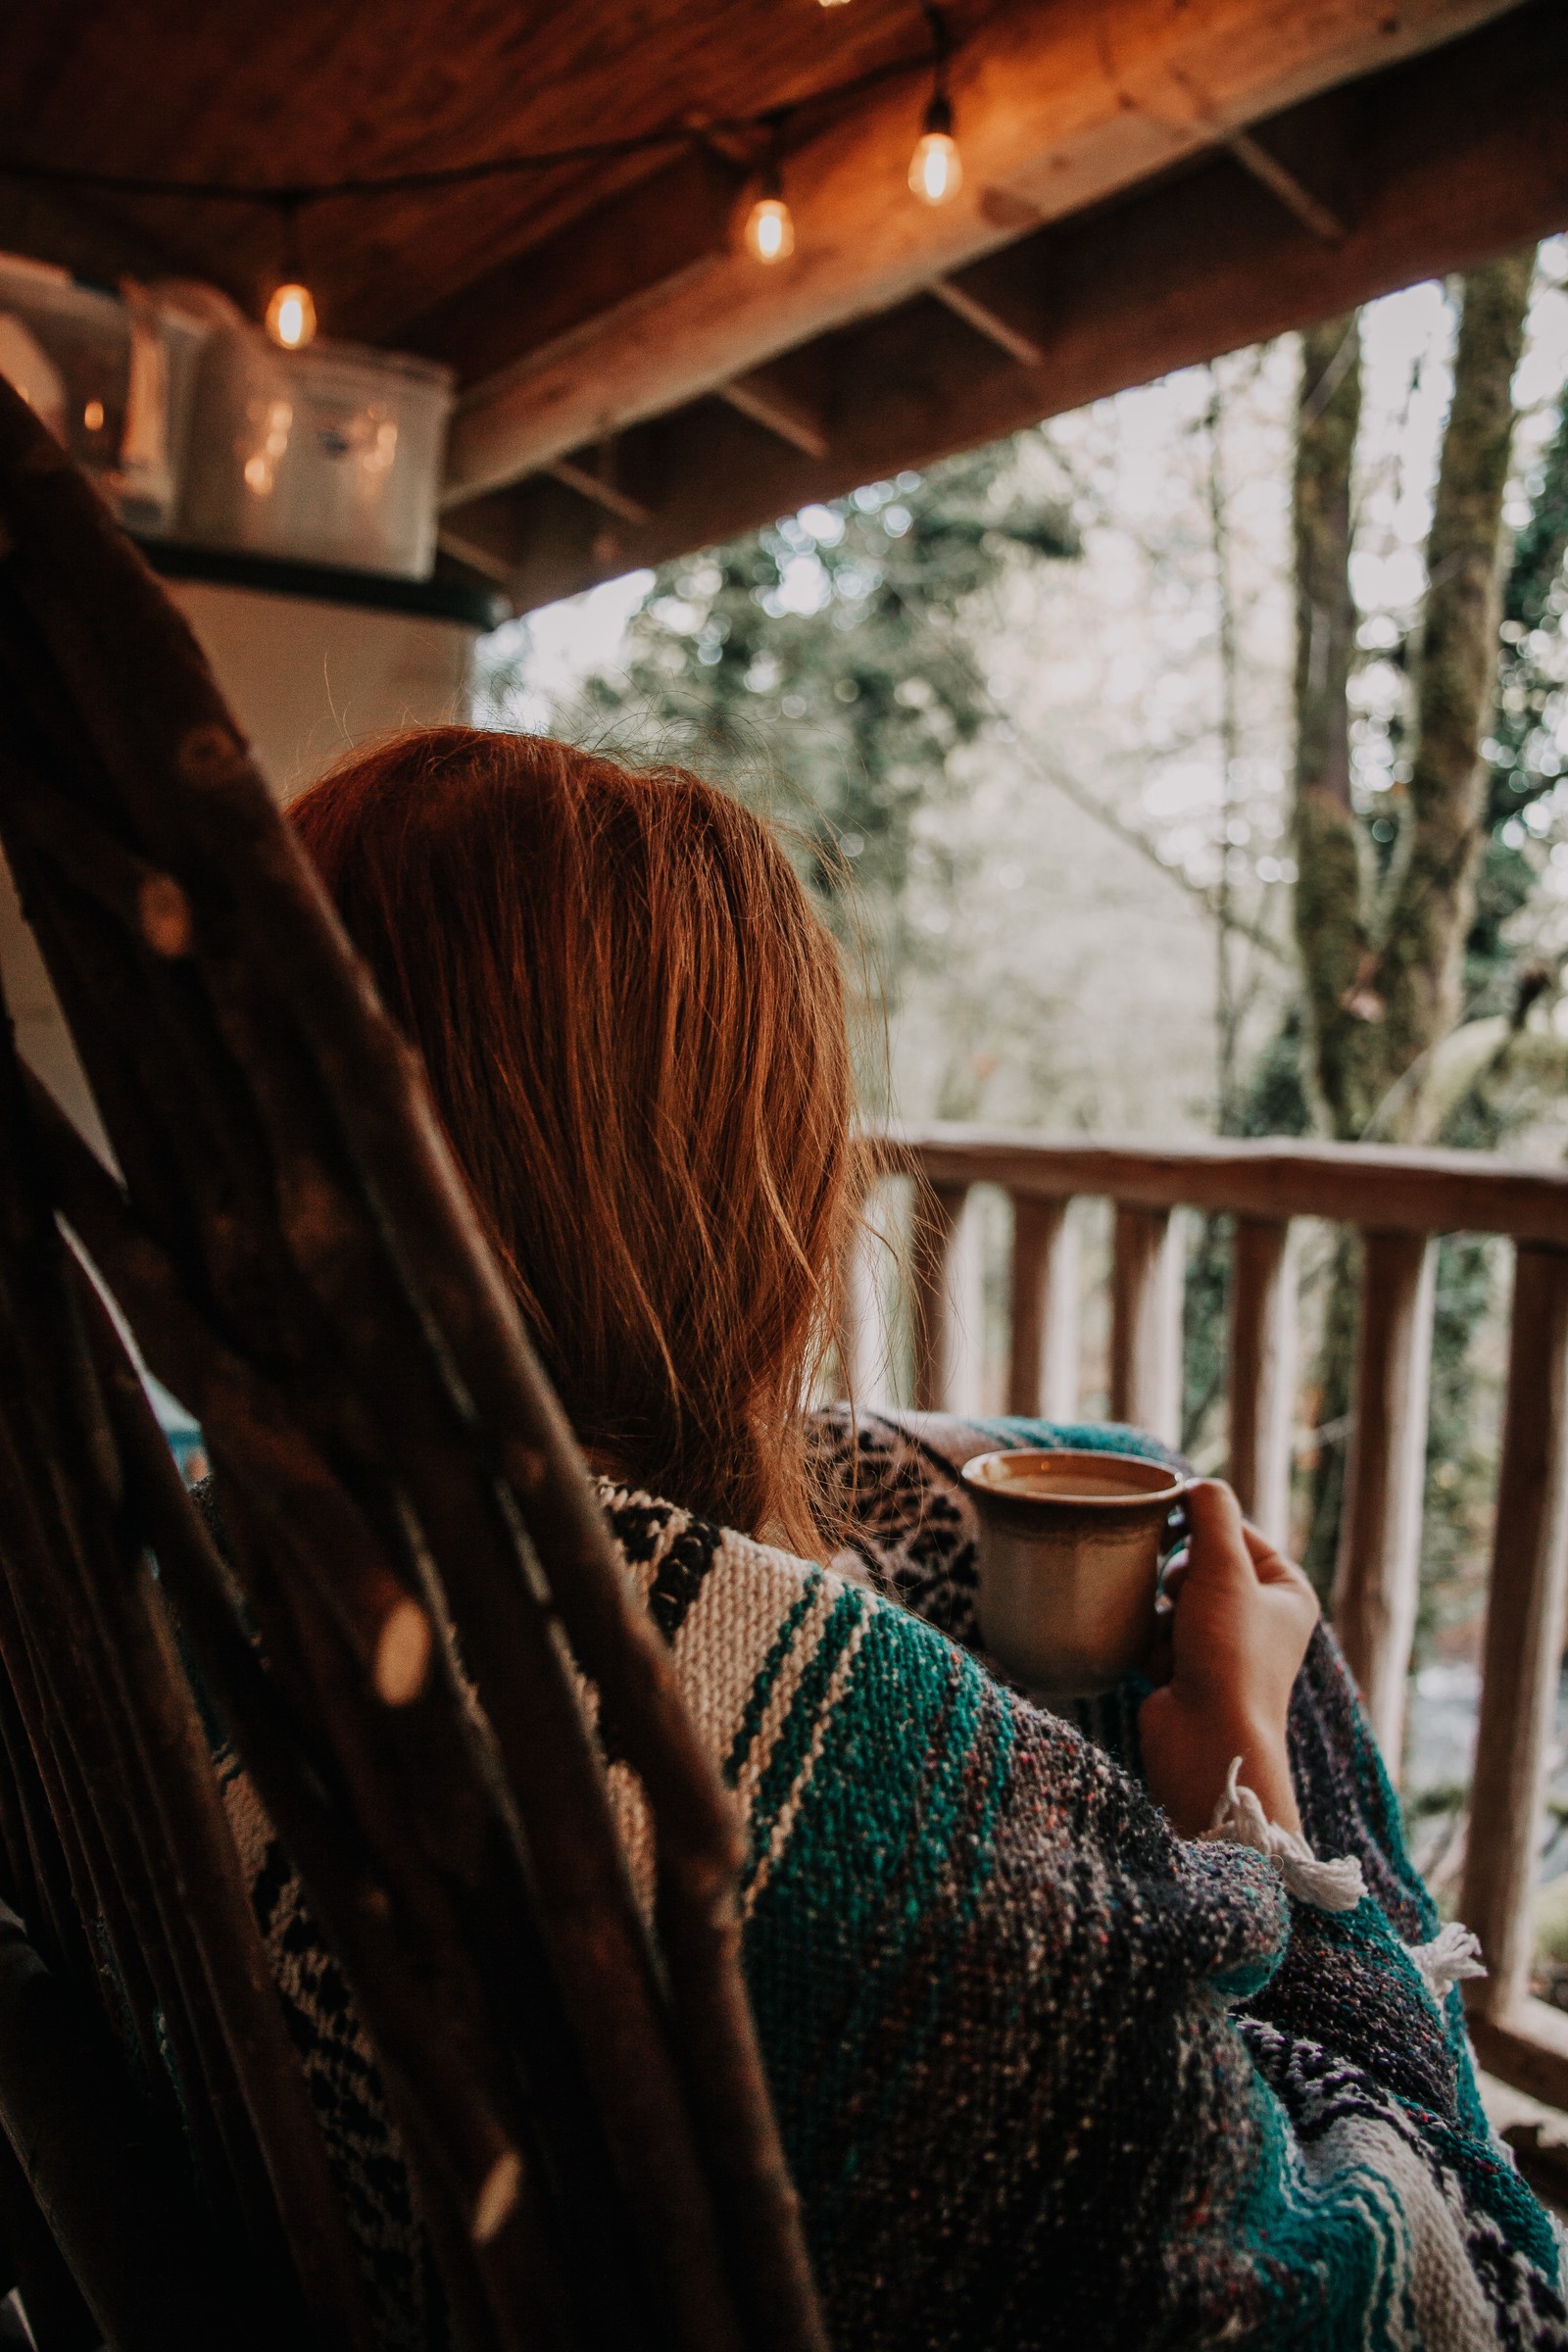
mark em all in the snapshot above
pixel 1191 763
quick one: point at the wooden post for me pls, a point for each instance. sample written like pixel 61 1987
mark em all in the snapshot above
pixel 1043 1359
pixel 1380 1539
pixel 1524 1630
pixel 1145 1323
pixel 937 1210
pixel 1262 1372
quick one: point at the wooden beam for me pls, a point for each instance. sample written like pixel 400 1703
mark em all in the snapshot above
pixel 985 320
pixel 1435 166
pixel 1058 108
pixel 1292 193
pixel 765 400
pixel 636 249
pixel 600 490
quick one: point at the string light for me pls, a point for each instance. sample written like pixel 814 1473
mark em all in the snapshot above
pixel 291 312
pixel 769 228
pixel 291 316
pixel 936 174
pixel 936 167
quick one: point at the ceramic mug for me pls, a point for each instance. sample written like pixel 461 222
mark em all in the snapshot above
pixel 1072 1548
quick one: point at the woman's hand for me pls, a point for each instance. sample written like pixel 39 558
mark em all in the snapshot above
pixel 1237 1631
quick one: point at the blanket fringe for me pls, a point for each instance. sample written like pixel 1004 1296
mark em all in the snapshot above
pixel 1453 1955
pixel 1240 1820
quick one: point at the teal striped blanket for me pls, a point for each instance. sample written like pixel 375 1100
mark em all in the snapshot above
pixel 1047 2074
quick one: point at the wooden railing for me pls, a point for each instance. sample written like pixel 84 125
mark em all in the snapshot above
pixel 1400 1201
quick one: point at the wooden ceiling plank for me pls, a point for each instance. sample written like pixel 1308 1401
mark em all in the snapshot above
pixel 1061 107
pixel 985 320
pixel 767 401
pixel 1455 157
pixel 636 248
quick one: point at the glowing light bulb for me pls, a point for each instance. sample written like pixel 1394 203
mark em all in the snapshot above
pixel 936 170
pixel 769 230
pixel 291 316
pixel 936 167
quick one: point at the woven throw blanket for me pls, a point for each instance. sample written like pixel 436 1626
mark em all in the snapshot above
pixel 1047 2075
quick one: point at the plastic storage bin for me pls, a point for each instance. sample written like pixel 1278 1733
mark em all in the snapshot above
pixel 113 377
pixel 331 455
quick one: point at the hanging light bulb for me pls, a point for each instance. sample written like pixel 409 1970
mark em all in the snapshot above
pixel 291 316
pixel 936 167
pixel 291 311
pixel 769 229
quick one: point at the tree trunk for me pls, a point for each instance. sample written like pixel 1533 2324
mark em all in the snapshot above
pixel 1331 928
pixel 1420 969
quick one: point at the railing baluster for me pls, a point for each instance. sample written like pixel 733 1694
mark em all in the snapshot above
pixel 1145 1323
pixel 1262 1372
pixel 1379 1535
pixel 1524 1636
pixel 1043 1359
pixel 934 1229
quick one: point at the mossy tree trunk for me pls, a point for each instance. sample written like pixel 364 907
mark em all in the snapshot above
pixel 1382 966
pixel 1421 966
pixel 1332 930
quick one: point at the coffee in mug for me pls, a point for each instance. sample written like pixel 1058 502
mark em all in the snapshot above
pixel 1073 1546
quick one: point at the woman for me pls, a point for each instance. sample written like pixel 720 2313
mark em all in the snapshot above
pixel 1052 2065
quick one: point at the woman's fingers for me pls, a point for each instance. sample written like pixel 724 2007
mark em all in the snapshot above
pixel 1219 1553
pixel 1271 1566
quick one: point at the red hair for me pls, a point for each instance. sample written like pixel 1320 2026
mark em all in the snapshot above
pixel 633 1027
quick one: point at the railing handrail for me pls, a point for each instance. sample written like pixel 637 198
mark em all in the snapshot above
pixel 1378 1186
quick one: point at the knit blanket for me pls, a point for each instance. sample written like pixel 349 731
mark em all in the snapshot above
pixel 1047 2074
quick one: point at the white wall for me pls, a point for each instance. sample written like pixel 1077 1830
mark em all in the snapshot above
pixel 307 682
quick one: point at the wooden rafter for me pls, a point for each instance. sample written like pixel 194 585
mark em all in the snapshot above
pixel 1060 108
pixel 1433 165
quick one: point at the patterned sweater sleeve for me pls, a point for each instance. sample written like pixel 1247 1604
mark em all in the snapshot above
pixel 1043 2075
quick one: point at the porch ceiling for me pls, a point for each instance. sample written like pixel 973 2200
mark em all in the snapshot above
pixel 1147 182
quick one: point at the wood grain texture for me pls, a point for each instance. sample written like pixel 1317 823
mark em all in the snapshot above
pixel 1435 165
pixel 286 95
pixel 1379 1566
pixel 933 1233
pixel 1526 2045
pixel 1146 1321
pixel 1043 1344
pixel 1524 1636
pixel 1061 108
pixel 1262 1372
pixel 1353 1183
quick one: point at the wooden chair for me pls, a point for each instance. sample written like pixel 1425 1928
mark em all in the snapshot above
pixel 420 1647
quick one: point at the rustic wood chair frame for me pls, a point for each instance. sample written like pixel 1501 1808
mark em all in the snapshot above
pixel 420 1644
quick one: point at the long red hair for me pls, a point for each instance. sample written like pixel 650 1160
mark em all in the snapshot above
pixel 633 1027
